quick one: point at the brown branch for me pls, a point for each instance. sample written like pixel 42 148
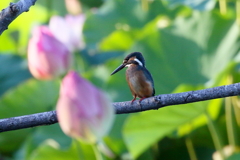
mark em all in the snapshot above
pixel 159 101
pixel 10 13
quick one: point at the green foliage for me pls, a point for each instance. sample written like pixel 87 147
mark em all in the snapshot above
pixel 15 39
pixel 199 5
pixel 185 49
pixel 156 124
pixel 234 157
pixel 13 70
pixel 28 98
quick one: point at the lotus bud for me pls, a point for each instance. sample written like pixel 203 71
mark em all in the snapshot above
pixel 83 110
pixel 68 30
pixel 47 57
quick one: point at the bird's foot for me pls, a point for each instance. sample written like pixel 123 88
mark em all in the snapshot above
pixel 142 99
pixel 133 99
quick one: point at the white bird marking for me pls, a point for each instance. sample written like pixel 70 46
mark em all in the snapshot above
pixel 139 62
pixel 128 65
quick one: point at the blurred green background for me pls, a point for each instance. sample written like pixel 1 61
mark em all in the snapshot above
pixel 188 45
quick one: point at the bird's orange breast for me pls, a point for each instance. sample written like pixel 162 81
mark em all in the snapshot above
pixel 138 83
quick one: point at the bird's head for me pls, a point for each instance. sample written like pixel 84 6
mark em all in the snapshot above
pixel 135 58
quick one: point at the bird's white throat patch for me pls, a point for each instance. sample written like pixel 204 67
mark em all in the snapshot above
pixel 139 62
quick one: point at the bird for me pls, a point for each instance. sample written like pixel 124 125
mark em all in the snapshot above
pixel 139 79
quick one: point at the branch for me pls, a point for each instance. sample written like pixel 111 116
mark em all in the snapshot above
pixel 10 13
pixel 159 101
pixel 27 121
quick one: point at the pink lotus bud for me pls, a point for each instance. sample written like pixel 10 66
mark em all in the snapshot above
pixel 83 110
pixel 47 57
pixel 68 30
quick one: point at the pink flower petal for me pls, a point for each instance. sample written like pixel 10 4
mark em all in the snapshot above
pixel 83 110
pixel 47 57
pixel 68 30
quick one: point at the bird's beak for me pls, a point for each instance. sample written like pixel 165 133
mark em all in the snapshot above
pixel 118 68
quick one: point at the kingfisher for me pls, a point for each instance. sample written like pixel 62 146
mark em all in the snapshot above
pixel 139 79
